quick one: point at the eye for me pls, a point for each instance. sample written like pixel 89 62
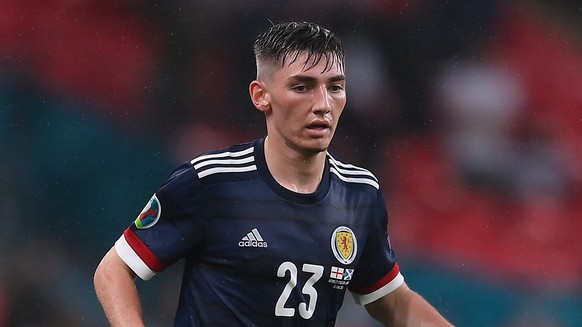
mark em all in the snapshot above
pixel 300 88
pixel 336 87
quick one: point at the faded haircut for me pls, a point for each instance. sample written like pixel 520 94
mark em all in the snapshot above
pixel 284 42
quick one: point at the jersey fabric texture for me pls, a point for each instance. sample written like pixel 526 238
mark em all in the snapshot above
pixel 257 254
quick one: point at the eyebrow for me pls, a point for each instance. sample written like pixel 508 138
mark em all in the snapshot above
pixel 307 79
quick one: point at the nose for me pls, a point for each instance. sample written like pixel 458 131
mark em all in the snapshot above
pixel 322 100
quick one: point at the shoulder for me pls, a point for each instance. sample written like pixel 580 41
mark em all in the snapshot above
pixel 189 179
pixel 232 161
pixel 352 174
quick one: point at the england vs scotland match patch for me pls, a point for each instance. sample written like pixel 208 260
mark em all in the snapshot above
pixel 150 214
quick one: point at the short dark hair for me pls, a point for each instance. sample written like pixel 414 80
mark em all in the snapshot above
pixel 285 41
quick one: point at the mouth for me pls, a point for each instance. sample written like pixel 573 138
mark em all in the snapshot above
pixel 319 129
pixel 319 125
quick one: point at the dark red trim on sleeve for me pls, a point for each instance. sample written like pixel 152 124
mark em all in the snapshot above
pixel 380 283
pixel 146 255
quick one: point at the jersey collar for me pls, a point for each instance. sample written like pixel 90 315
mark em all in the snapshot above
pixel 289 195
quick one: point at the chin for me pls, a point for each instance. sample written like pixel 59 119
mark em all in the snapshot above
pixel 317 148
pixel 310 146
pixel 314 151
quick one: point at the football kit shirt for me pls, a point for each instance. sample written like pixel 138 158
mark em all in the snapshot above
pixel 257 254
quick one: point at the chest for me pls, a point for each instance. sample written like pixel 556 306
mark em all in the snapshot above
pixel 264 236
pixel 280 230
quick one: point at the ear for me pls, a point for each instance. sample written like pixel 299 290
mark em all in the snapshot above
pixel 259 95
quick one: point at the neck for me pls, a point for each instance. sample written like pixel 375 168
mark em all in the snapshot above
pixel 294 171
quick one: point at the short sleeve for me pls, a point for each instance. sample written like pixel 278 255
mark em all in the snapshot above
pixel 378 272
pixel 166 228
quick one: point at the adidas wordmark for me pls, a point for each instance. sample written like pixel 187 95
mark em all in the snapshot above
pixel 252 240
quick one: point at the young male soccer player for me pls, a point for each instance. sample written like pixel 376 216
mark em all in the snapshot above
pixel 272 231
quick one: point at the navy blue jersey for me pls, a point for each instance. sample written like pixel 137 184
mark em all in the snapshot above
pixel 257 254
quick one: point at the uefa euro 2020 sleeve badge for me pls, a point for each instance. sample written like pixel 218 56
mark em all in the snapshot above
pixel 344 245
pixel 150 214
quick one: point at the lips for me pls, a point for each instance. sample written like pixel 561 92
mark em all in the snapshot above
pixel 320 124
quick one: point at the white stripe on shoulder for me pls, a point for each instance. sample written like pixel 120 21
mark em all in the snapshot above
pixel 352 174
pixel 350 169
pixel 225 162
pixel 222 155
pixel 355 179
pixel 217 170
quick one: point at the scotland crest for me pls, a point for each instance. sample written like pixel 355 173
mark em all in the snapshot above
pixel 344 244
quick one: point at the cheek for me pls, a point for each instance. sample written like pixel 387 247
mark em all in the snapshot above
pixel 339 106
pixel 339 98
pixel 291 108
pixel 285 116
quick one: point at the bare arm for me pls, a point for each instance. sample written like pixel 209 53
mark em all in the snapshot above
pixel 406 308
pixel 115 286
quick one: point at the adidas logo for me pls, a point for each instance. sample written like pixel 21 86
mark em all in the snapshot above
pixel 252 240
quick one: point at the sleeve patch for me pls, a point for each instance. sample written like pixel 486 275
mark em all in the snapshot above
pixel 150 214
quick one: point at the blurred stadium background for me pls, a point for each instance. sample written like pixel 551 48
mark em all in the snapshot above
pixel 470 113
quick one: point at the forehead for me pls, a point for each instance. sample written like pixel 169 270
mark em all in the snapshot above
pixel 302 63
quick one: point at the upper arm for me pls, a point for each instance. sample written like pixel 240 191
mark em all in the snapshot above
pixel 116 291
pixel 112 264
pixel 386 308
pixel 405 307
